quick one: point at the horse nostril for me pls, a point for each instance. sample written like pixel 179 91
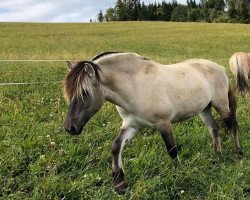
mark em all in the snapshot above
pixel 72 129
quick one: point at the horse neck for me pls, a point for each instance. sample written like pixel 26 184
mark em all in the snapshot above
pixel 117 84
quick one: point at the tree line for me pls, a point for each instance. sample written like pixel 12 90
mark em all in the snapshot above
pixel 205 10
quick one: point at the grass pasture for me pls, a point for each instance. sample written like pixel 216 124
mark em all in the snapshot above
pixel 39 160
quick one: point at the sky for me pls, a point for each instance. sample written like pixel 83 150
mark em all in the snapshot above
pixel 55 10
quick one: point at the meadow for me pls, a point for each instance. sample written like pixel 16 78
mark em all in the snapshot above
pixel 39 160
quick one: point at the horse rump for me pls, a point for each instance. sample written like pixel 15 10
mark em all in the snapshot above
pixel 241 79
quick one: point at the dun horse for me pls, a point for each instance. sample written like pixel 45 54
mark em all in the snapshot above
pixel 147 93
pixel 240 67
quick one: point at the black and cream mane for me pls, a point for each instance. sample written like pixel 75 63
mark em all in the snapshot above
pixel 104 54
pixel 77 82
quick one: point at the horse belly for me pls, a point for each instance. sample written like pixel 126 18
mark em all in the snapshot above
pixel 183 116
pixel 187 108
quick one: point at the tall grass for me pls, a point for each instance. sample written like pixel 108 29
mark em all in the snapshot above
pixel 40 161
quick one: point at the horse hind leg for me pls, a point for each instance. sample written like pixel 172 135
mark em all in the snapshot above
pixel 208 120
pixel 227 112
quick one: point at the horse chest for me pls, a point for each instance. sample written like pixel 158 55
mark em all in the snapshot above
pixel 135 120
pixel 142 122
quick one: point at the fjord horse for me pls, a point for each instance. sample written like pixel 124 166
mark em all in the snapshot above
pixel 240 67
pixel 147 93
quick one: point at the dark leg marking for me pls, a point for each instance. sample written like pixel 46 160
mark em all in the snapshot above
pixel 119 182
pixel 167 136
pixel 232 125
pixel 116 147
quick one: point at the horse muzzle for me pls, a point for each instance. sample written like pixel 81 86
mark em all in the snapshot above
pixel 73 130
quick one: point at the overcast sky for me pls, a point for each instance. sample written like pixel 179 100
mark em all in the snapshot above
pixel 55 10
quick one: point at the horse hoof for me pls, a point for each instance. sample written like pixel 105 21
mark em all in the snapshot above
pixel 176 162
pixel 218 153
pixel 216 160
pixel 239 151
pixel 121 187
pixel 179 147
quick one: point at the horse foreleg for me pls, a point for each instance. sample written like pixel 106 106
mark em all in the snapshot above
pixel 126 134
pixel 167 136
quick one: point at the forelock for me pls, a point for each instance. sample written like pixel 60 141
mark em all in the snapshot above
pixel 78 82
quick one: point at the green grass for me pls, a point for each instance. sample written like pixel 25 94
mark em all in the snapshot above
pixel 39 160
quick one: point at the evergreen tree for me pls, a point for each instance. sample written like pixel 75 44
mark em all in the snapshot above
pixel 216 4
pixel 152 12
pixel 243 11
pixel 143 12
pixel 206 10
pixel 110 15
pixel 194 15
pixel 191 4
pixel 159 13
pixel 135 6
pixel 167 11
pixel 120 11
pixel 220 5
pixel 205 14
pixel 232 12
pixel 179 14
pixel 129 9
pixel 100 17
pixel 174 3
pixel 204 3
pixel 213 15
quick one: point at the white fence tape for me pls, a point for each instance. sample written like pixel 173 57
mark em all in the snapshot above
pixel 30 83
pixel 34 60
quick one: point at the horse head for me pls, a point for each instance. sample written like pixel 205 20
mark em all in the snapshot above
pixel 83 93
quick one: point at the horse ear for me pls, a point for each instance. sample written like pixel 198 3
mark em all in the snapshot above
pixel 70 65
pixel 89 69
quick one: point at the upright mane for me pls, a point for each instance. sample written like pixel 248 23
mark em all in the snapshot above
pixel 77 82
pixel 103 54
pixel 106 56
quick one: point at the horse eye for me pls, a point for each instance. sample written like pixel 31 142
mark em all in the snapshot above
pixel 86 93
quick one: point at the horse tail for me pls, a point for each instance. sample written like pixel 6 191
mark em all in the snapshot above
pixel 230 121
pixel 241 79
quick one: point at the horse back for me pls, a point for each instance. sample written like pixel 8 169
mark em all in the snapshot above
pixel 199 72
